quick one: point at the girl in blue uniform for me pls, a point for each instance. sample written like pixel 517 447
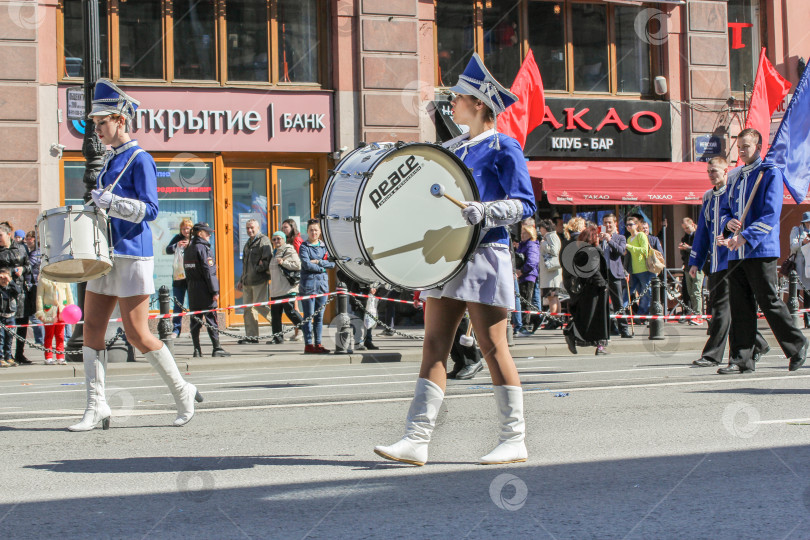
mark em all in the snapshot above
pixel 131 203
pixel 485 287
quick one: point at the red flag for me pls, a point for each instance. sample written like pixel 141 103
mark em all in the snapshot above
pixel 527 113
pixel 770 88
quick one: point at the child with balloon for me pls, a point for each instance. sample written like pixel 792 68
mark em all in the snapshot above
pixel 55 308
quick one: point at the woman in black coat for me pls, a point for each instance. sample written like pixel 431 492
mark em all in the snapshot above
pixel 585 278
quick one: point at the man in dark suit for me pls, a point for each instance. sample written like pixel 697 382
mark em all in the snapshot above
pixel 613 247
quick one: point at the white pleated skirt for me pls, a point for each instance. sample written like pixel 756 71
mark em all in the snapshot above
pixel 487 279
pixel 129 277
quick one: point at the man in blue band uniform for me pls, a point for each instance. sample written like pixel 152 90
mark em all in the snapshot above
pixel 710 243
pixel 203 287
pixel 754 249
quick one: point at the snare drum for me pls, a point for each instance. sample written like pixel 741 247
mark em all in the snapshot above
pixel 75 243
pixel 382 224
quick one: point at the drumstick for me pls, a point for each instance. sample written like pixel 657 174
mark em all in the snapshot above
pixel 437 190
pixel 466 340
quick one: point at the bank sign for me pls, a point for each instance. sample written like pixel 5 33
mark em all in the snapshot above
pixel 602 129
pixel 218 120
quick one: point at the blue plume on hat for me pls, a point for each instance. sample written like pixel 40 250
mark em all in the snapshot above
pixel 109 99
pixel 478 81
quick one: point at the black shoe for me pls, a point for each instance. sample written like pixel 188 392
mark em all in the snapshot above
pixel 705 362
pixel 627 335
pixel 571 342
pixel 795 361
pixel 387 333
pixel 22 360
pixel 453 374
pixel 274 341
pixel 600 350
pixel 468 372
pixel 734 369
pixel 219 352
pixel 248 340
pixel 197 352
pixel 370 346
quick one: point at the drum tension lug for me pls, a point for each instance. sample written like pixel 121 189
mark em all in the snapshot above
pixel 400 144
pixel 352 219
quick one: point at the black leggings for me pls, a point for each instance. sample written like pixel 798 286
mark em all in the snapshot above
pixel 526 289
pixel 287 307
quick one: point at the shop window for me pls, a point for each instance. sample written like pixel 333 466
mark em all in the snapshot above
pixel 632 53
pixel 73 43
pixel 455 39
pixel 140 32
pixel 589 23
pixel 184 190
pixel 579 46
pixel 194 40
pixel 501 39
pixel 247 40
pixel 743 42
pixel 547 41
pixel 298 41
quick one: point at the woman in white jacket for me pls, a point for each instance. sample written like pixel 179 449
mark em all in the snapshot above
pixel 52 297
pixel 284 262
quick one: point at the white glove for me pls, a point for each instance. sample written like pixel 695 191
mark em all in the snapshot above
pixel 493 213
pixel 103 199
pixel 474 213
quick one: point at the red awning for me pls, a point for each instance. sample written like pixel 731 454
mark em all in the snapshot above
pixel 619 182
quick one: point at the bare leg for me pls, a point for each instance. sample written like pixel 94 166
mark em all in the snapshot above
pixel 97 311
pixel 489 323
pixel 135 314
pixel 442 317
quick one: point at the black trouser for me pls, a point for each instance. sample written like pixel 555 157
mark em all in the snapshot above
pixel 287 307
pixel 754 281
pixel 22 333
pixel 463 356
pixel 720 310
pixel 526 289
pixel 615 297
pixel 806 305
pixel 390 309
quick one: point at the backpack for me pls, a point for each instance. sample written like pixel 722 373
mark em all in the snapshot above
pixel 655 261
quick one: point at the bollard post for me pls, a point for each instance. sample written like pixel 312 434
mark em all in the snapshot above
pixel 656 308
pixel 793 299
pixel 344 333
pixel 165 325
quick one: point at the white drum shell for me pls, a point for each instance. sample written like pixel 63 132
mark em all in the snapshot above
pixel 412 239
pixel 75 243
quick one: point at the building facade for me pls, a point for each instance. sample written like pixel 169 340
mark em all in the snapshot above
pixel 246 104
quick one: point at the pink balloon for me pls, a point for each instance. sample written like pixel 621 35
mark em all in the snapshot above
pixel 71 314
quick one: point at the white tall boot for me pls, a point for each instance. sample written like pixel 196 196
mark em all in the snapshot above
pixel 184 392
pixel 512 447
pixel 413 447
pixel 95 367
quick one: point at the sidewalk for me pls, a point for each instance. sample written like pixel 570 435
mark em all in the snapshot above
pixel 678 338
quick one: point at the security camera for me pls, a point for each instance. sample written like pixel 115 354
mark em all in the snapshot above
pixel 660 84
pixel 57 149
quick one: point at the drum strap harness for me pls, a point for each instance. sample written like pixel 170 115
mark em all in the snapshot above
pixel 138 208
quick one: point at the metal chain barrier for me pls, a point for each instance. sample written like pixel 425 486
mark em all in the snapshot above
pixel 272 337
pixel 34 345
pixel 362 308
pixel 560 319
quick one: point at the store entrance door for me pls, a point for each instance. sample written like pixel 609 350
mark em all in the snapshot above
pixel 270 194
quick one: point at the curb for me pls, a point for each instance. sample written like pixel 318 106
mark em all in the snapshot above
pixel 673 343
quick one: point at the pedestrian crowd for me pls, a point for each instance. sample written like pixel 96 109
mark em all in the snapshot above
pixel 29 300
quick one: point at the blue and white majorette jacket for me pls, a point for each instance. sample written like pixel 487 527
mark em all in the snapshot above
pixel 134 203
pixel 761 227
pixel 500 174
pixel 708 229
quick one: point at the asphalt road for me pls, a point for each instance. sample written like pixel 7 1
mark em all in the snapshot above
pixel 624 446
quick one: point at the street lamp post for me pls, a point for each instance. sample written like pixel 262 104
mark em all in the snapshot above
pixel 92 147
